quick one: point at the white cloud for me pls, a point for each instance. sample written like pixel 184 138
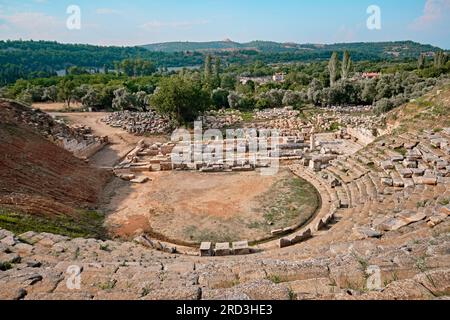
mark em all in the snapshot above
pixel 32 25
pixel 157 25
pixel 433 12
pixel 107 11
pixel 32 21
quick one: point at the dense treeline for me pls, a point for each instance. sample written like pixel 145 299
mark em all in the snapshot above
pixel 185 94
pixel 34 59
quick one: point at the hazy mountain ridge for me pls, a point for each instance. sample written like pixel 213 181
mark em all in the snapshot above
pixel 396 48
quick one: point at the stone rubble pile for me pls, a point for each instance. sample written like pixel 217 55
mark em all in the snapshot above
pixel 139 123
pixel 328 122
pixel 287 127
pixel 421 161
pixel 220 119
pixel 77 139
pixel 145 158
pixel 276 113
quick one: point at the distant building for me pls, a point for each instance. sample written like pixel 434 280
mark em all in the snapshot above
pixel 258 80
pixel 278 77
pixel 371 75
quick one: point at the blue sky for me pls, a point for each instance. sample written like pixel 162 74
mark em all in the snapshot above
pixel 135 22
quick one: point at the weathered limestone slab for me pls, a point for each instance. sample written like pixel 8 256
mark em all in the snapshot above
pixel 366 232
pixel 392 224
pixel 222 249
pixel 411 145
pixel 305 235
pixel 405 173
pixel 432 181
pixel 412 216
pixel 410 164
pixel 241 248
pixel 417 172
pixel 141 179
pixel 397 159
pixel 387 165
pixel 284 242
pixel 387 182
pixel 206 249
pixel 143 168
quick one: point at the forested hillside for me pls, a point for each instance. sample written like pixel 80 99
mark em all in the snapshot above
pixel 35 59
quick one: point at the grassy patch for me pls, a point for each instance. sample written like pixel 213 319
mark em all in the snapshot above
pixel 334 127
pixel 88 224
pixel 402 151
pixel 4 266
pixel 108 285
pixel 247 116
pixel 221 234
pixel 290 201
pixel 274 278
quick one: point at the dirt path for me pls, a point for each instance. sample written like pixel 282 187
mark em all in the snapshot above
pixel 121 142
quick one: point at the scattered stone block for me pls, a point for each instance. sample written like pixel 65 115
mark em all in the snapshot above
pixel 412 216
pixel 222 249
pixel 417 172
pixel 387 165
pixel 141 179
pixel 405 173
pixel 284 242
pixel 392 224
pixel 206 249
pixel 305 235
pixel 276 232
pixel 397 159
pixel 368 232
pixel 387 182
pixel 240 248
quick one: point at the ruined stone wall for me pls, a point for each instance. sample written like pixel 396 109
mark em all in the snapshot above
pixel 363 135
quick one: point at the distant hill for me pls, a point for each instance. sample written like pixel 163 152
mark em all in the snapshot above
pixel 398 49
pixel 34 59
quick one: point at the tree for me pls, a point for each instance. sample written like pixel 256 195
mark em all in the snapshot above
pixel 333 68
pixel 315 91
pixel 274 97
pixel 384 105
pixel 294 98
pixel 346 65
pixel 440 59
pixel 66 90
pixel 142 101
pixel 233 99
pixel 91 99
pixel 208 71
pixel 217 72
pixel 219 98
pixel 228 81
pixel 421 61
pixel 50 94
pixel 369 91
pixel 123 100
pixel 180 99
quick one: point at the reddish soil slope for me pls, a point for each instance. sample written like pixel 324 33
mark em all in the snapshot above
pixel 38 177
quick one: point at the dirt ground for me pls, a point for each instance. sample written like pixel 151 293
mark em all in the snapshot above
pixel 56 106
pixel 190 207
